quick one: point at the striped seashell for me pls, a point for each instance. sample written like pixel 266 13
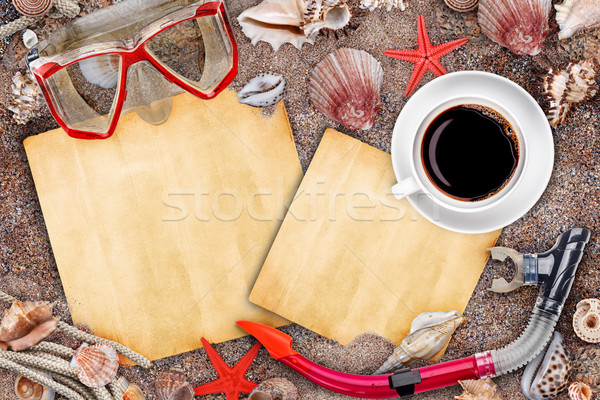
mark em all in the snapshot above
pixel 33 8
pixel 580 391
pixel 346 87
pixel 172 385
pixel 96 365
pixel 521 26
pixel 274 389
pixel 462 5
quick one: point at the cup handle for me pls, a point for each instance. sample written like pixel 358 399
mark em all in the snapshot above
pixel 405 188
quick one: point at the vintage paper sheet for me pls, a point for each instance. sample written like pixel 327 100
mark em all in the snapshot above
pixel 350 258
pixel 160 231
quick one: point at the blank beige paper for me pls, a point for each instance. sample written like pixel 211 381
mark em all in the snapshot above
pixel 350 258
pixel 160 231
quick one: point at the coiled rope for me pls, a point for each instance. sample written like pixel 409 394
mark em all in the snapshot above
pixel 50 358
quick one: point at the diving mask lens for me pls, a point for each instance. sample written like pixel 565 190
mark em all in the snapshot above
pixel 85 93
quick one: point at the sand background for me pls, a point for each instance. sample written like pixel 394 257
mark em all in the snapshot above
pixel 28 270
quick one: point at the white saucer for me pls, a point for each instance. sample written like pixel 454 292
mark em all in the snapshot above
pixel 540 148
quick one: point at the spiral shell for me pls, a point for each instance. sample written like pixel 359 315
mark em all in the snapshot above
pixel 580 391
pixel 274 389
pixel 33 8
pixel 26 389
pixel 96 365
pixel 263 91
pixel 26 324
pixel 172 385
pixel 586 320
pixel 462 5
pixel 483 389
pixel 429 333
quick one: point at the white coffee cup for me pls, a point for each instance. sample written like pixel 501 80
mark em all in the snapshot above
pixel 418 181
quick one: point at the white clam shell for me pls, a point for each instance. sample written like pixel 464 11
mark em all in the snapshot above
pixel 430 332
pixel 102 70
pixel 575 15
pixel 292 21
pixel 586 320
pixel 521 26
pixel 264 90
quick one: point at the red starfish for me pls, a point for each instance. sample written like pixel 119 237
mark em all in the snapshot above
pixel 426 57
pixel 231 381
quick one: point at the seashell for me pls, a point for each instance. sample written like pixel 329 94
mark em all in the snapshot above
pixel 482 389
pixel 346 87
pixel 575 15
pixel 26 389
pixel 172 385
pixel 30 39
pixel 26 100
pixel 462 5
pixel 33 8
pixel 580 391
pixel 292 21
pixel 521 26
pixel 586 320
pixel 586 366
pixel 387 4
pixel 429 333
pixel 552 375
pixel 274 389
pixel 101 70
pixel 263 91
pixel 130 391
pixel 26 324
pixel 96 365
pixel 563 88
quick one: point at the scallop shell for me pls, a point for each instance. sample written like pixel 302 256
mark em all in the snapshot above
pixel 33 8
pixel 96 365
pixel 263 91
pixel 101 70
pixel 586 366
pixel 274 389
pixel 521 26
pixel 172 385
pixel 26 324
pixel 387 4
pixel 580 391
pixel 429 333
pixel 292 21
pixel 26 389
pixel 575 15
pixel 346 87
pixel 586 320
pixel 462 5
pixel 130 391
pixel 483 389
pixel 563 88
pixel 552 375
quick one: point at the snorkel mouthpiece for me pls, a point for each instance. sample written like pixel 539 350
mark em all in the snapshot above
pixel 553 271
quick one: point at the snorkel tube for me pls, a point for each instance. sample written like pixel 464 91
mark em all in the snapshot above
pixel 553 270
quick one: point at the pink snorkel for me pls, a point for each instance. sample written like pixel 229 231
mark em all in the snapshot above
pixel 553 270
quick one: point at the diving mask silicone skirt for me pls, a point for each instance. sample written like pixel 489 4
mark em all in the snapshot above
pixel 133 56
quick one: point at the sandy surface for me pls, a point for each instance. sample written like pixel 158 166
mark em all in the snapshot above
pixel 572 199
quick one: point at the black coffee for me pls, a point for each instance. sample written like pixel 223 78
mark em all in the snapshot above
pixel 470 152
